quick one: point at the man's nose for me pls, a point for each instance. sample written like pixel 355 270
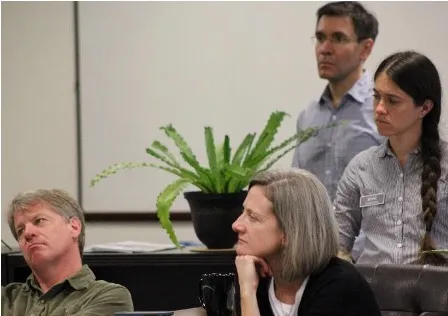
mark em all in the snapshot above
pixel 29 232
pixel 325 47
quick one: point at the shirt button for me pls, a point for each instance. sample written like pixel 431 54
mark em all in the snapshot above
pixel 401 175
pixel 399 222
pixel 329 144
pixel 400 199
pixel 333 117
pixel 327 172
pixel 399 245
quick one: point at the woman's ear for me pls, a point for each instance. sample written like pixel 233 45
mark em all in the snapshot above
pixel 426 108
pixel 283 240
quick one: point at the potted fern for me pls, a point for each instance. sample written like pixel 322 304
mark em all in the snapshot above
pixel 221 184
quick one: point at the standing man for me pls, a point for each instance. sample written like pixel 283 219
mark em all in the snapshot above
pixel 50 228
pixel 344 38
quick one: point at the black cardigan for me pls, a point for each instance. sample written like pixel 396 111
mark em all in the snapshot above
pixel 338 290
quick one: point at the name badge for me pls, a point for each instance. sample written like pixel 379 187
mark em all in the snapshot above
pixel 370 200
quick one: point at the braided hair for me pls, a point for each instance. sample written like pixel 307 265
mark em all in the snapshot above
pixel 416 75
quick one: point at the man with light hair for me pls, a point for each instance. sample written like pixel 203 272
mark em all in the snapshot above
pixel 49 226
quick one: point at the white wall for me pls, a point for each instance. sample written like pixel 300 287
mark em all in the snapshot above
pixel 193 64
pixel 38 113
pixel 38 99
pixel 146 64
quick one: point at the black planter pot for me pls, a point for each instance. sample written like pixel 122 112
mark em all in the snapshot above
pixel 213 215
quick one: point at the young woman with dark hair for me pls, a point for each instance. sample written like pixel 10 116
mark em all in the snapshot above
pixel 397 193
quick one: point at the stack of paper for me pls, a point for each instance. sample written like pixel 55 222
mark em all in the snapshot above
pixel 129 247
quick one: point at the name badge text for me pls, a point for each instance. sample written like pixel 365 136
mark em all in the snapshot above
pixel 371 200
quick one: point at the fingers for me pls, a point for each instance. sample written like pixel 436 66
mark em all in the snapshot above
pixel 265 269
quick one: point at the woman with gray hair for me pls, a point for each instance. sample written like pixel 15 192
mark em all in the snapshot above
pixel 287 234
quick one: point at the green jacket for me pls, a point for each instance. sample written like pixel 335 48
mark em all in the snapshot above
pixel 80 295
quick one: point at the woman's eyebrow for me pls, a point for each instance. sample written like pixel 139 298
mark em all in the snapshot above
pixel 388 94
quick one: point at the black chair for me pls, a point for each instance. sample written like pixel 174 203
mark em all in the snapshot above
pixel 408 290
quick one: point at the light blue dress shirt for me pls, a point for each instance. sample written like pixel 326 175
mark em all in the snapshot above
pixel 328 153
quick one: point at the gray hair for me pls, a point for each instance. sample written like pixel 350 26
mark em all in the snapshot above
pixel 59 201
pixel 303 209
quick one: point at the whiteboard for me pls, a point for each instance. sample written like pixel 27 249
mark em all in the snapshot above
pixel 227 65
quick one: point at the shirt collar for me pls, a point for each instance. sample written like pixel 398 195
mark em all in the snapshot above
pixel 81 280
pixel 30 283
pixel 360 91
pixel 384 150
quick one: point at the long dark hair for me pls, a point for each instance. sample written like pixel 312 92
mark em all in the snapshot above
pixel 416 75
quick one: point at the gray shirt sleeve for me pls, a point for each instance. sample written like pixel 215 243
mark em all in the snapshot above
pixel 295 159
pixel 346 205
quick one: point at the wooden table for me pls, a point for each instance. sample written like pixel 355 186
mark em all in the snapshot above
pixel 191 312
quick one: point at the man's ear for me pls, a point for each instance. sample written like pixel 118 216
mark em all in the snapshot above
pixel 426 108
pixel 76 226
pixel 367 46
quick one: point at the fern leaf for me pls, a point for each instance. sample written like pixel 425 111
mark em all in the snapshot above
pixel 212 159
pixel 227 151
pixel 242 149
pixel 267 136
pixel 274 160
pixel 171 132
pixel 204 175
pixel 116 168
pixel 239 177
pixel 164 150
pixel 164 202
pixel 297 139
pixel 191 175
